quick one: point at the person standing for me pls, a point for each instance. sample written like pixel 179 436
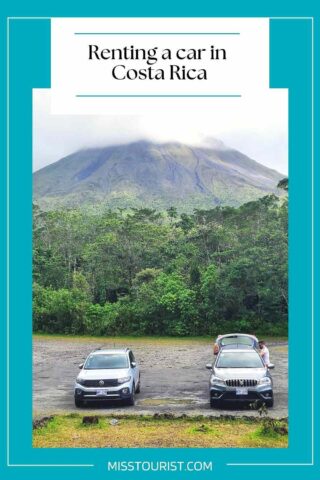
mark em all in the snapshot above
pixel 264 352
pixel 216 347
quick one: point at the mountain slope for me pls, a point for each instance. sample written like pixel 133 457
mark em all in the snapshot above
pixel 145 174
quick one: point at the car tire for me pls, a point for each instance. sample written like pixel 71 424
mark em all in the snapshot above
pixel 214 403
pixel 269 403
pixel 132 399
pixel 138 389
pixel 78 403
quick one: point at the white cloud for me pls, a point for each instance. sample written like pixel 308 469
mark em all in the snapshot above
pixel 258 129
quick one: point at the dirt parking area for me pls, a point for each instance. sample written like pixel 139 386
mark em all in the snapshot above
pixel 174 377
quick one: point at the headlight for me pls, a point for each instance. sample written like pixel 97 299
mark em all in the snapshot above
pixel 124 379
pixel 80 381
pixel 217 381
pixel 265 381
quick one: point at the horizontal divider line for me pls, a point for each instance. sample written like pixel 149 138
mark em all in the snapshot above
pixel 161 96
pixel 156 33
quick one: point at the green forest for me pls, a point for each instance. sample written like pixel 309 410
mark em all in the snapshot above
pixel 144 272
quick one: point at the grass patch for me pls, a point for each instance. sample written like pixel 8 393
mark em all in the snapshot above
pixel 145 340
pixel 100 426
pixel 264 437
pixel 206 429
pixel 154 402
pixel 149 432
pixel 52 427
pixel 272 428
pixel 125 339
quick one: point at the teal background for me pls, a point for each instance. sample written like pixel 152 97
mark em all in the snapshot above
pixel 290 67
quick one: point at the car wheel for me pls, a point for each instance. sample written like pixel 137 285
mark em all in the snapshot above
pixel 214 403
pixel 78 403
pixel 139 385
pixel 132 399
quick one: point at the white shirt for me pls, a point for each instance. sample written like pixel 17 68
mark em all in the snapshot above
pixel 264 352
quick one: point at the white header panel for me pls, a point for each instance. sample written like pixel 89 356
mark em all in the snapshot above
pixel 81 85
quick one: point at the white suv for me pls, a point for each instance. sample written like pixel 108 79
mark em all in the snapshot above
pixel 111 374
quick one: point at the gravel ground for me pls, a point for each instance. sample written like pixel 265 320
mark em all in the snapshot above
pixel 174 378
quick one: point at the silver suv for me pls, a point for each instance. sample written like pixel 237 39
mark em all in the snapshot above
pixel 111 374
pixel 240 375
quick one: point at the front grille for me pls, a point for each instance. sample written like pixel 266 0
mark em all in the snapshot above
pixel 231 396
pixel 92 395
pixel 106 383
pixel 238 382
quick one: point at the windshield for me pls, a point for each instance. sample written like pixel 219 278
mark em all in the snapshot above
pixel 239 360
pixel 236 340
pixel 108 360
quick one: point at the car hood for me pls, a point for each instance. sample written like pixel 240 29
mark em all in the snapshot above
pixel 244 373
pixel 105 374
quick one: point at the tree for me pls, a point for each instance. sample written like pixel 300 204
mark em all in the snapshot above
pixel 284 184
pixel 136 272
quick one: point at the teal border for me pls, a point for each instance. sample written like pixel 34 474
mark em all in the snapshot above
pixel 33 71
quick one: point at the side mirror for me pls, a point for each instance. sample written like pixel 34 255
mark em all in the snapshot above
pixel 81 366
pixel 271 366
pixel 133 364
pixel 209 366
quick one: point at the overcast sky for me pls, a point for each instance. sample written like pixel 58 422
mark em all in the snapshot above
pixel 259 131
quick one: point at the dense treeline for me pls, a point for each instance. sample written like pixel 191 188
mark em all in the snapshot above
pixel 145 272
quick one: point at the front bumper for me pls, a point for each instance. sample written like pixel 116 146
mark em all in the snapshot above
pixel 121 392
pixel 229 394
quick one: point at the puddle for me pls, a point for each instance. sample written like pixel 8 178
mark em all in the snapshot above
pixel 157 402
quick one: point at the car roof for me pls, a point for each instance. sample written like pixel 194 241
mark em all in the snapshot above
pixel 109 351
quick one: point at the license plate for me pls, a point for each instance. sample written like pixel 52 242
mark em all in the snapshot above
pixel 241 391
pixel 102 393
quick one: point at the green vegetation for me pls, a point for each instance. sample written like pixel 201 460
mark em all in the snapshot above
pixel 142 272
pixel 152 340
pixel 284 184
pixel 147 431
pixel 269 427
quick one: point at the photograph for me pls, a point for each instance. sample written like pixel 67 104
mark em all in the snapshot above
pixel 160 277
